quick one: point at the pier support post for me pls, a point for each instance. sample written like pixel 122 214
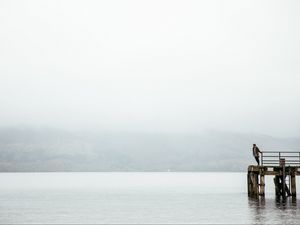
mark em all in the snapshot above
pixel 262 185
pixel 255 184
pixel 293 185
pixel 283 176
pixel 277 186
pixel 262 181
pixel 253 187
pixel 249 184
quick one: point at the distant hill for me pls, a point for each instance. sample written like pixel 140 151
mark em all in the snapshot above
pixel 29 149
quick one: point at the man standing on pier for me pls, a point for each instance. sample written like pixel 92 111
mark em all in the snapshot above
pixel 256 152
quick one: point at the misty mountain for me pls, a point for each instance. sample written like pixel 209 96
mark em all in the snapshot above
pixel 47 149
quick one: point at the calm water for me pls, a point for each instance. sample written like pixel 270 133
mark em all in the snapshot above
pixel 138 198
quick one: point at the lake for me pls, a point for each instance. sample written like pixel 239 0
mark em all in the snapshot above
pixel 138 198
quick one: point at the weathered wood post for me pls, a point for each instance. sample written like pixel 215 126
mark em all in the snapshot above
pixel 253 188
pixel 249 183
pixel 277 186
pixel 255 184
pixel 283 184
pixel 262 182
pixel 293 183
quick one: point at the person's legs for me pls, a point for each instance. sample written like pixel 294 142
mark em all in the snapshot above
pixel 257 160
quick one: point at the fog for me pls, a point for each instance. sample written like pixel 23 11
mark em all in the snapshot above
pixel 147 85
pixel 154 66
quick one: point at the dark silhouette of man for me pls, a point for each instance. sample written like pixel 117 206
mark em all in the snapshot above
pixel 256 152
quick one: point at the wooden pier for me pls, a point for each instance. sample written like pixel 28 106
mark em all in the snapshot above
pixel 284 166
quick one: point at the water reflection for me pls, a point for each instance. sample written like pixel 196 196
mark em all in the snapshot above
pixel 273 210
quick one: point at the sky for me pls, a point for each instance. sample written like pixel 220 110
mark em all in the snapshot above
pixel 151 66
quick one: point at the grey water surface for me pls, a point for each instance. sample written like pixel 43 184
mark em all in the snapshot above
pixel 138 198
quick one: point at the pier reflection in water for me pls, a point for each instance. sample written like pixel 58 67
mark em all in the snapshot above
pixel 274 211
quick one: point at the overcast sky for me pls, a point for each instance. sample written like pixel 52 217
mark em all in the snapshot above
pixel 158 66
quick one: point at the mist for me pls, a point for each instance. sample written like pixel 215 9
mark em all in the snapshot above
pixel 151 66
pixel 164 68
